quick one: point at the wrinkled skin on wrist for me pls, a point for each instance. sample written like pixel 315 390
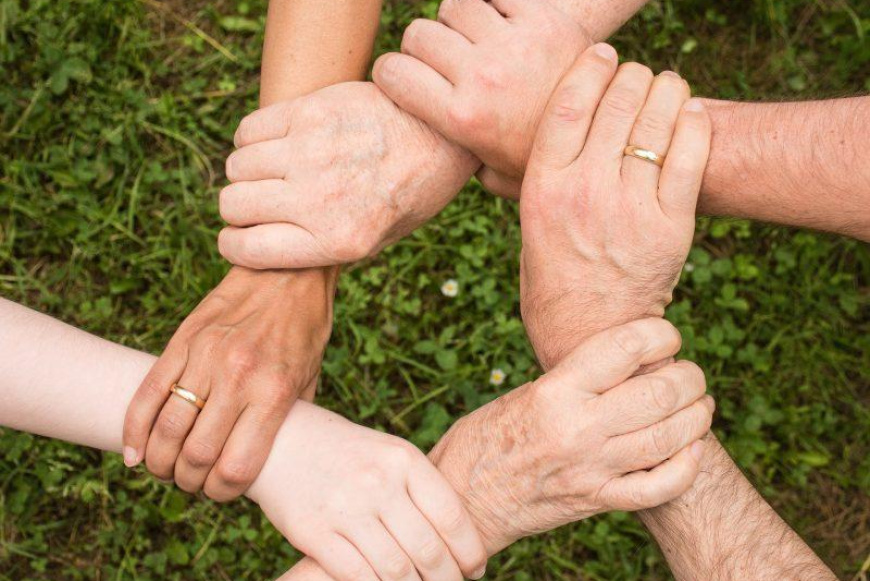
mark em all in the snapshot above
pixel 333 177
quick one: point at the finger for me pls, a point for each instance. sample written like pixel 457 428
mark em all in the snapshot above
pixel 272 122
pixel 420 542
pixel 617 114
pixel 276 245
pixel 204 444
pixel 260 202
pixel 438 46
pixel 564 126
pixel 651 446
pixel 662 484
pixel 499 184
pixel 380 549
pixel 683 170
pixel 644 400
pixel 654 129
pixel 177 418
pixel 342 560
pixel 474 19
pixel 246 449
pixel 441 506
pixel 608 358
pixel 149 400
pixel 415 87
pixel 259 161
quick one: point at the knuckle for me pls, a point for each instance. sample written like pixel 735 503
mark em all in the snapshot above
pixel 454 520
pixel 172 426
pixel 446 10
pixel 490 78
pixel 653 124
pixel 236 473
pixel 431 553
pixel 629 340
pixel 200 454
pixel 568 105
pixel 154 387
pixel 398 566
pixel 660 444
pixel 664 393
pixel 464 115
pixel 621 102
pixel 240 358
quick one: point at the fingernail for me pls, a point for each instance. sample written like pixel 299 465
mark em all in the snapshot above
pixel 694 105
pixel 131 458
pixel 669 74
pixel 697 450
pixel 605 51
pixel 479 573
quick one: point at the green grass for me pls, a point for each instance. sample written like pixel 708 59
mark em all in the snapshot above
pixel 114 121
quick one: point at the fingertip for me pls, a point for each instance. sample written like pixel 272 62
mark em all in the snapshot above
pixel 384 69
pixel 604 51
pixel 694 105
pixel 132 457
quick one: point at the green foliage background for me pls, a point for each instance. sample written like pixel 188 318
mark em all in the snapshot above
pixel 114 121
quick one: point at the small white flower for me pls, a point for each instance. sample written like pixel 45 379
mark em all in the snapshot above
pixel 497 376
pixel 689 267
pixel 450 288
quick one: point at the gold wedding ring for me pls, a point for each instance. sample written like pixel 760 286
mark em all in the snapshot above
pixel 187 396
pixel 644 154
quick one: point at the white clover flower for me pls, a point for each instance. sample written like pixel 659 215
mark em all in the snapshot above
pixel 450 288
pixel 688 267
pixel 497 376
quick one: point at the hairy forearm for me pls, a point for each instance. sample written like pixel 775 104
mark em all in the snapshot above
pixel 798 164
pixel 723 530
pixel 600 18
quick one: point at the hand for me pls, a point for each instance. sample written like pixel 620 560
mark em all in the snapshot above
pixel 483 79
pixel 583 439
pixel 605 235
pixel 250 349
pixel 364 504
pixel 332 178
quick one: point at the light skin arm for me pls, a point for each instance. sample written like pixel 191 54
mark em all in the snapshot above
pixel 799 164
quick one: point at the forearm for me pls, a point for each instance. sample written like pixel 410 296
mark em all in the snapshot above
pixel 798 164
pixel 723 530
pixel 63 383
pixel 600 18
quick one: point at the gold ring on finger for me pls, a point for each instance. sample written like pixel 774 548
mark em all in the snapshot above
pixel 187 395
pixel 644 154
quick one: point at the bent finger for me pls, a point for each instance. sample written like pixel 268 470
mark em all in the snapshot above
pixel 683 170
pixel 441 506
pixel 569 113
pixel 438 46
pixel 651 446
pixel 263 160
pixel 665 482
pixel 259 202
pixel 275 245
pixel 272 122
pixel 416 88
pixel 474 19
pixel 608 358
pixel 149 400
pixel 644 400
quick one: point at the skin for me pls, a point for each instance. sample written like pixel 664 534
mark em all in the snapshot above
pixel 485 86
pixel 255 343
pixel 722 528
pixel 61 382
pixel 381 197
